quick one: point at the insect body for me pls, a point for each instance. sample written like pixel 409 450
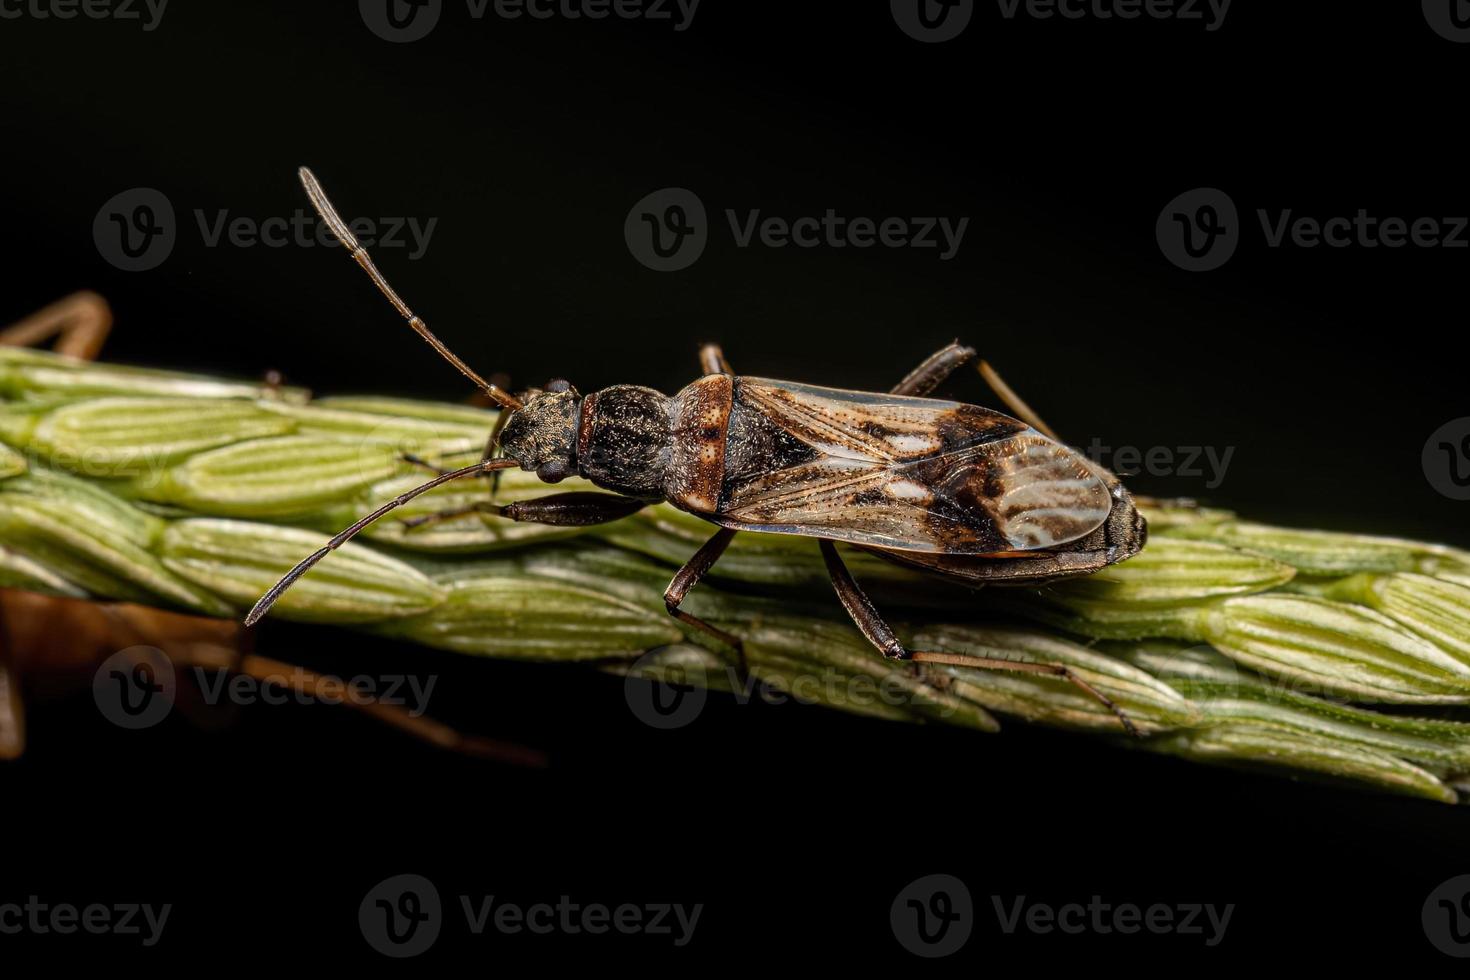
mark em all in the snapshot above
pixel 948 488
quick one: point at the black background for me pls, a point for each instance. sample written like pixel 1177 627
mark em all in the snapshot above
pixel 1325 369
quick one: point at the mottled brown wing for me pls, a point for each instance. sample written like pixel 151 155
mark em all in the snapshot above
pixel 912 474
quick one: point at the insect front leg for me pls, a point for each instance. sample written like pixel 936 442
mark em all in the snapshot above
pixel 870 622
pixel 687 577
pixel 573 509
pixel 80 322
pixel 936 367
pixel 483 507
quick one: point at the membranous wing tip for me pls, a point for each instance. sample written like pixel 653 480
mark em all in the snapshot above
pixel 908 474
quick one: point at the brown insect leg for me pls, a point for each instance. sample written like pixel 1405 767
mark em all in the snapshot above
pixel 1013 401
pixel 12 708
pixel 712 360
pixel 870 622
pixel 936 367
pixel 81 321
pixel 573 509
pixel 687 577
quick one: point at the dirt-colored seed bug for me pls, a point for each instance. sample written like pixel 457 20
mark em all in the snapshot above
pixel 947 488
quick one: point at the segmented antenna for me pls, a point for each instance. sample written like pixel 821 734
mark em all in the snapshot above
pixel 305 565
pixel 344 235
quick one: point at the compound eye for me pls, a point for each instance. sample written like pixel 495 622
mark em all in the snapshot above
pixel 558 385
pixel 553 472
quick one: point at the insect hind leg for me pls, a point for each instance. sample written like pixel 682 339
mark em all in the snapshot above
pixel 712 360
pixel 934 370
pixel 1014 402
pixel 872 625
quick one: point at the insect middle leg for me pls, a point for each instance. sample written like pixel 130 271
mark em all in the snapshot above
pixel 870 622
pixel 688 577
